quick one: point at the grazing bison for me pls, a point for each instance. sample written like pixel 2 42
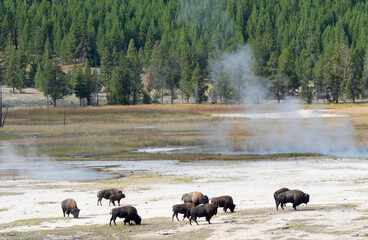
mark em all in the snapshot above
pixel 70 206
pixel 194 197
pixel 224 201
pixel 105 194
pixel 278 192
pixel 296 197
pixel 183 208
pixel 116 197
pixel 127 212
pixel 205 210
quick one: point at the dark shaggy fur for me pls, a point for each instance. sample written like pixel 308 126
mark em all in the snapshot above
pixel 127 212
pixel 116 197
pixel 224 201
pixel 205 210
pixel 70 206
pixel 296 197
pixel 183 208
pixel 105 194
pixel 278 192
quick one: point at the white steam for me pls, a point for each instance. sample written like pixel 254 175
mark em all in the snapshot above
pixel 281 128
pixel 232 72
pixel 23 163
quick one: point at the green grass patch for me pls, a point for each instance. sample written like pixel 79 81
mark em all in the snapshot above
pixel 10 193
pixel 28 222
pixel 46 202
pixel 155 228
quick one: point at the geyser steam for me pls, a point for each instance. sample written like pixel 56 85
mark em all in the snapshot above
pixel 280 129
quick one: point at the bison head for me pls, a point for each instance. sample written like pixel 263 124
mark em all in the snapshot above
pixel 306 198
pixel 75 212
pixel 204 199
pixel 138 220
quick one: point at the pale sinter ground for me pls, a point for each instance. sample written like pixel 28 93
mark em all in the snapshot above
pixel 338 207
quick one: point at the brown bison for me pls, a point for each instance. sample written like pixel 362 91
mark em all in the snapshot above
pixel 183 208
pixel 205 210
pixel 278 192
pixel 116 197
pixel 70 206
pixel 127 212
pixel 296 197
pixel 105 194
pixel 194 197
pixel 224 201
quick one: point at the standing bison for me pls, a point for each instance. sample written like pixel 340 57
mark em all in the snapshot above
pixel 194 197
pixel 224 201
pixel 205 210
pixel 296 197
pixel 106 194
pixel 116 197
pixel 182 208
pixel 127 212
pixel 70 206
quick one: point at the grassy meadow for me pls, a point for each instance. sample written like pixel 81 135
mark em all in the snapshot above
pixel 119 131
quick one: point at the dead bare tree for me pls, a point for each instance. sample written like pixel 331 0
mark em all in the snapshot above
pixel 1 105
pixel 2 120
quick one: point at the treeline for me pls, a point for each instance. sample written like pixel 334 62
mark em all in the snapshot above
pixel 316 49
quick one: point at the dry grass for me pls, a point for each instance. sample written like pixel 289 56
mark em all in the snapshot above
pixel 117 130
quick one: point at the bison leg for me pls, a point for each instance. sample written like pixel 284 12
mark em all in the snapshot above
pixel 294 206
pixel 174 215
pixel 119 202
pixel 208 219
pixel 194 219
pixel 282 206
pixel 277 205
pixel 225 208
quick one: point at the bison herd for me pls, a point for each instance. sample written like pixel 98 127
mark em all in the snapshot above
pixel 195 205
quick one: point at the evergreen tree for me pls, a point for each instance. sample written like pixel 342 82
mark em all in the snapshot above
pixel 185 83
pixel 160 68
pixel 120 84
pixel 278 81
pixel 15 68
pixel 106 68
pixel 51 80
pixel 200 86
pixel 135 70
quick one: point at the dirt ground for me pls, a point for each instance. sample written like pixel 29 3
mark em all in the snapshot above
pixel 338 207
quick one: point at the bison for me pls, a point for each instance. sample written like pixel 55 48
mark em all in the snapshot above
pixel 205 210
pixel 296 197
pixel 182 208
pixel 116 197
pixel 278 192
pixel 127 212
pixel 224 201
pixel 105 194
pixel 194 197
pixel 70 206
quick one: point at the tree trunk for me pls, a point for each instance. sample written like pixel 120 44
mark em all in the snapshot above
pixel 162 96
pixel 54 101
pixel 172 95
